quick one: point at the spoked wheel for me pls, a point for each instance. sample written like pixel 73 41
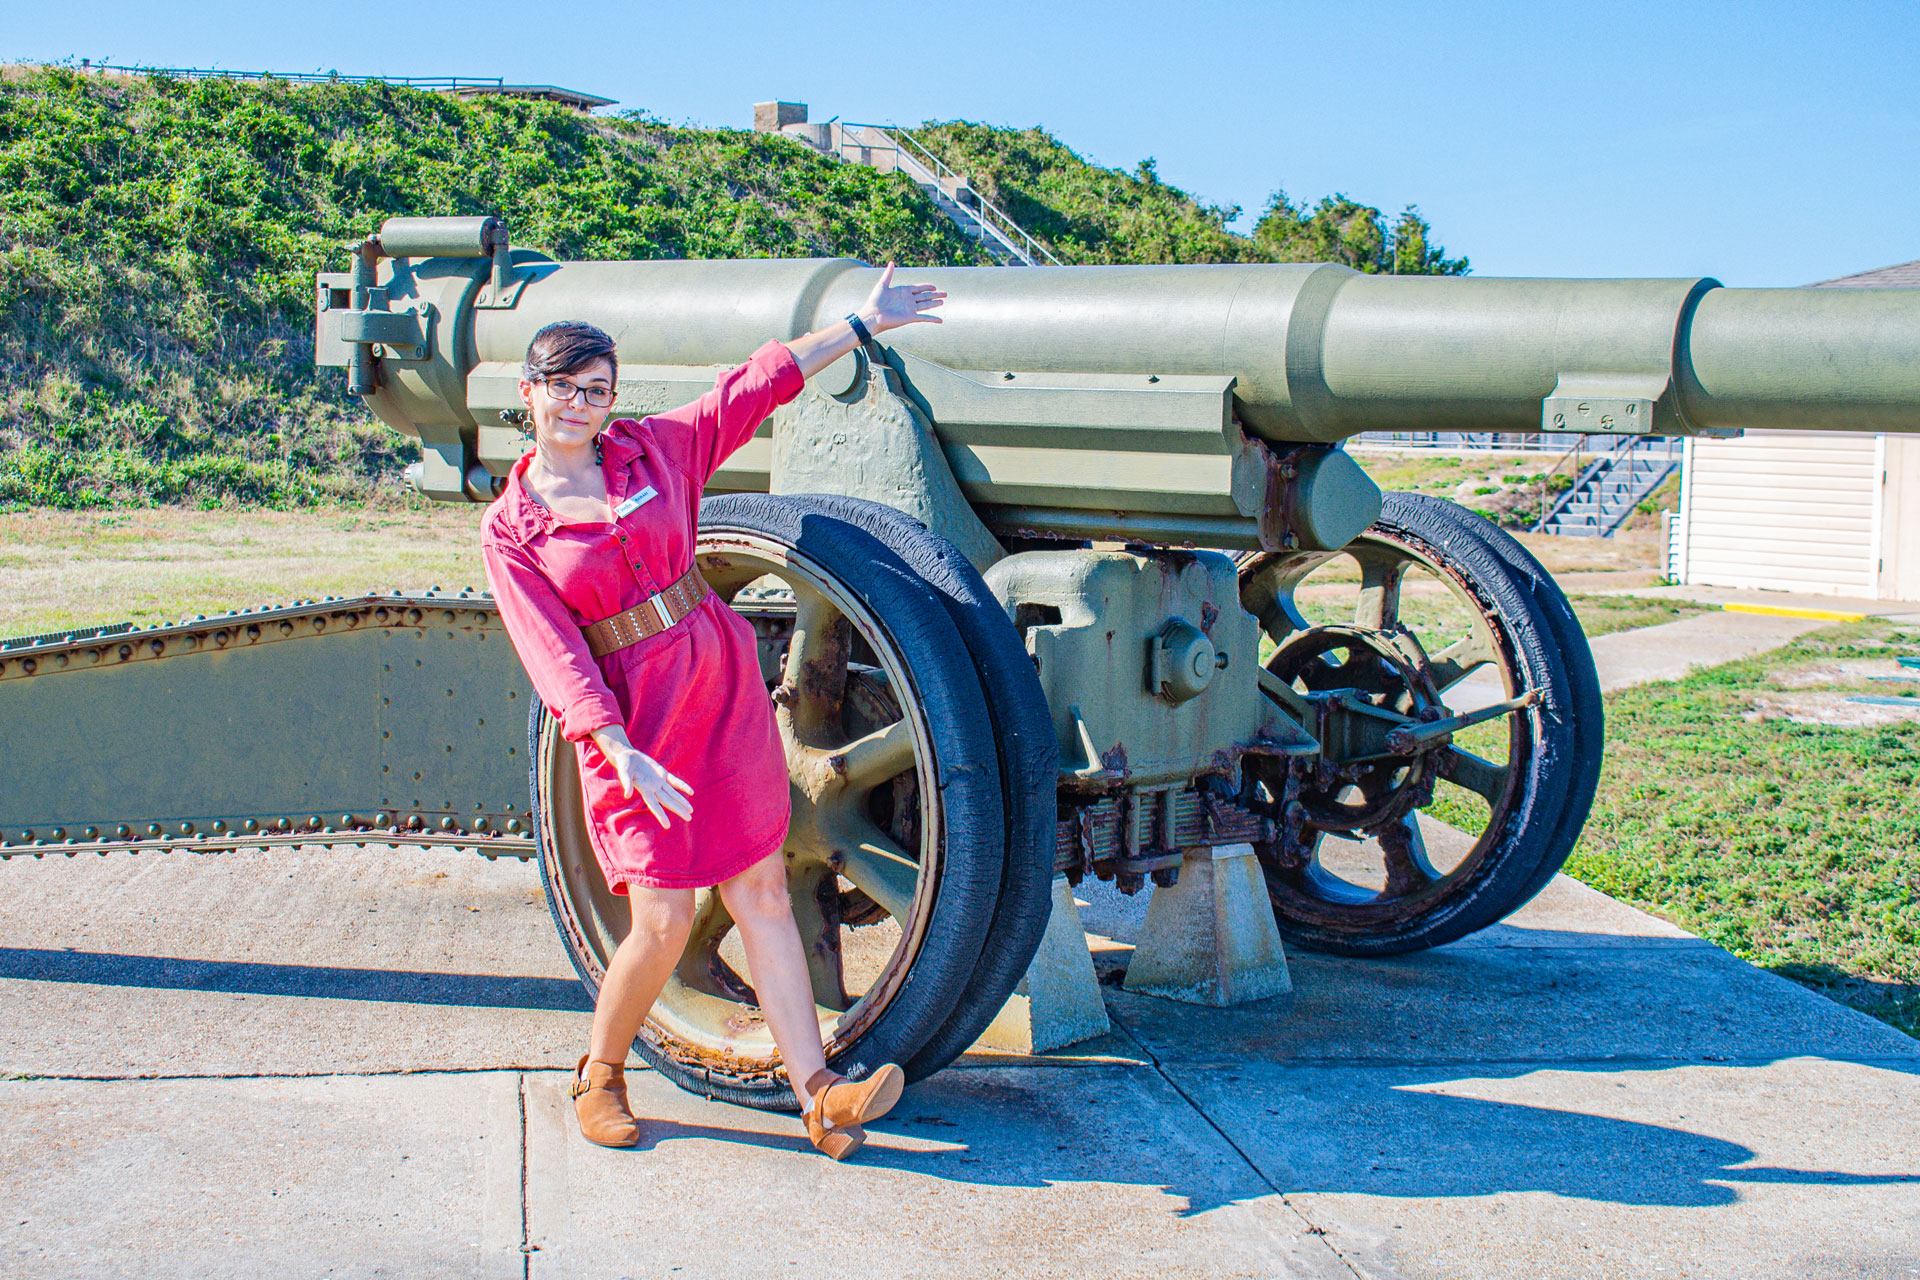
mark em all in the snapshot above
pixel 896 848
pixel 1029 763
pixel 1459 715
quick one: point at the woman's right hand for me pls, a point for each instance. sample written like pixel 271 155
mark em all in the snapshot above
pixel 642 775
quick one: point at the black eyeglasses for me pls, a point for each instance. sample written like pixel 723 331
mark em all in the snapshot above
pixel 561 389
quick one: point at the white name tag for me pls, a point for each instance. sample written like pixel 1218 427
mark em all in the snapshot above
pixel 636 502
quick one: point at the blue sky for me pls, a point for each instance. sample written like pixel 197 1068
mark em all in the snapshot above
pixel 1762 143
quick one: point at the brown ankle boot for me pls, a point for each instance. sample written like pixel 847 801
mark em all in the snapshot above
pixel 599 1096
pixel 839 1107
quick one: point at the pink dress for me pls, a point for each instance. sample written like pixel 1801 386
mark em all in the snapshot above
pixel 692 697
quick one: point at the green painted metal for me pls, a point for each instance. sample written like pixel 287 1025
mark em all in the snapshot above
pixel 1112 401
pixel 1148 663
pixel 379 718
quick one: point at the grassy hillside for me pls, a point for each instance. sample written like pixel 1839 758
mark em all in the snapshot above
pixel 1088 214
pixel 159 237
pixel 158 240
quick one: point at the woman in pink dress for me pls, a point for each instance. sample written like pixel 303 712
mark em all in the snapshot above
pixel 589 551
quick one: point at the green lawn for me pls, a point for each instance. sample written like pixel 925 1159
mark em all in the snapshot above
pixel 1793 845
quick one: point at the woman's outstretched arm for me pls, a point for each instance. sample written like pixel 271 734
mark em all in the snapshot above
pixel 888 307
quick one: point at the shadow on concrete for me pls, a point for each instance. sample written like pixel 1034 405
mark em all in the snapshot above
pixel 1393 1132
pixel 1298 1130
pixel 1363 1135
pixel 317 981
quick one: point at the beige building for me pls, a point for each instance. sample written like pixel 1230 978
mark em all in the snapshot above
pixel 1821 512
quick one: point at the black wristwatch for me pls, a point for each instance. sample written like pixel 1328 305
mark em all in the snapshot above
pixel 859 329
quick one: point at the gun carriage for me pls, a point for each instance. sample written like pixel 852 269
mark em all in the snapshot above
pixel 1077 584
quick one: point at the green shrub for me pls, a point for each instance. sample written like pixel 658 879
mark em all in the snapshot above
pixel 159 238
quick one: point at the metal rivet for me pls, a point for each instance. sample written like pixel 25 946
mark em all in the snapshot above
pixel 446 824
pixel 346 820
pixel 219 826
pixel 479 824
pixel 252 824
pixel 186 828
pixel 123 831
pixel 382 820
pixel 513 824
pixel 26 835
pixel 153 828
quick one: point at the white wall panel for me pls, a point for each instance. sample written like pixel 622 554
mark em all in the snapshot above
pixel 1782 510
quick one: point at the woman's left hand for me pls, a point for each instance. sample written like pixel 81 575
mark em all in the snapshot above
pixel 891 305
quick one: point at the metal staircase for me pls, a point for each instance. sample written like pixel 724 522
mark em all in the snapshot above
pixel 1606 490
pixel 977 217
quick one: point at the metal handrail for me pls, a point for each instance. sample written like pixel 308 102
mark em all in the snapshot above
pixel 1029 247
pixel 1623 449
pixel 1540 521
pixel 441 83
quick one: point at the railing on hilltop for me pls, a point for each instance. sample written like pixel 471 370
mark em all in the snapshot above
pixel 443 84
pixel 430 84
pixel 944 175
pixel 885 147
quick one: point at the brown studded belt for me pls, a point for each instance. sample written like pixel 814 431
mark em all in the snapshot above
pixel 648 618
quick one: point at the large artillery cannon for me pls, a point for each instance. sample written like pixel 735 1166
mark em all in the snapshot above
pixel 1005 637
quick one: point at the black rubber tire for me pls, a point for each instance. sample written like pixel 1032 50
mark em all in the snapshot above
pixel 1583 700
pixel 1029 762
pixel 940 669
pixel 1551 653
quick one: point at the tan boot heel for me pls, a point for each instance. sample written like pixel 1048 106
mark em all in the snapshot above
pixel 599 1094
pixel 841 1106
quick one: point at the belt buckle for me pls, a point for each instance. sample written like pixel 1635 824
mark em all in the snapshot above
pixel 659 603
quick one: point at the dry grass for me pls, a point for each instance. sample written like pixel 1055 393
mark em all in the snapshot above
pixel 61 569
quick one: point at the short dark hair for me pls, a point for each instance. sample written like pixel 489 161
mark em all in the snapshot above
pixel 567 346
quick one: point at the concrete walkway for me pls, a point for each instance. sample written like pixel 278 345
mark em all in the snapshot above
pixel 1665 652
pixel 310 1062
pixel 352 1063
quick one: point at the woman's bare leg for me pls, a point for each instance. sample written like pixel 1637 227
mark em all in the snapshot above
pixel 640 968
pixel 777 966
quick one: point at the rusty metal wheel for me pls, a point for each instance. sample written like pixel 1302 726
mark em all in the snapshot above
pixel 897 840
pixel 1459 716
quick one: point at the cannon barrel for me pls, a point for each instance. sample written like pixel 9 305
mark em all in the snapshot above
pixel 1318 353
pixel 1111 401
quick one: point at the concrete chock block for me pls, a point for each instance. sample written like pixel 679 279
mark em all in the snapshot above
pixel 1211 939
pixel 1058 1002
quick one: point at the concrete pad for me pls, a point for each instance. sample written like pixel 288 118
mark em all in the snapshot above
pixel 1006 1171
pixel 1057 1002
pixel 1706 1171
pixel 1517 1004
pixel 287 961
pixel 416 1176
pixel 1210 938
